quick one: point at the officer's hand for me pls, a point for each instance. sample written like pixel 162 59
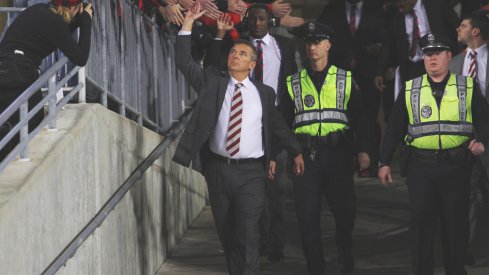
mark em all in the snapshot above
pixel 477 148
pixel 271 171
pixel 298 165
pixel 363 160
pixel 385 175
pixel 379 83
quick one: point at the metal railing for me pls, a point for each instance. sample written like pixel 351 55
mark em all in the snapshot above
pixel 131 66
pixel 21 105
pixel 132 61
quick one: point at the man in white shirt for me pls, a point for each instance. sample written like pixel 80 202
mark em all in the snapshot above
pixel 474 32
pixel 230 135
pixel 274 63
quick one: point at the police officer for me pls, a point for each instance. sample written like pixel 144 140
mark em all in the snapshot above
pixel 324 107
pixel 441 119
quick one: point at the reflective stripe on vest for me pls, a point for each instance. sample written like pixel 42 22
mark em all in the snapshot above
pixel 436 128
pixel 323 116
pixel 340 88
pixel 439 127
pixel 296 87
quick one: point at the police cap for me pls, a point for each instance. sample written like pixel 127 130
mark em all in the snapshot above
pixel 434 42
pixel 314 31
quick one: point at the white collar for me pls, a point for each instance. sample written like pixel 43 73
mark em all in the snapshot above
pixel 481 50
pixel 246 82
pixel 265 39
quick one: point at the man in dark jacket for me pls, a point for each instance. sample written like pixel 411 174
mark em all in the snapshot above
pixel 230 135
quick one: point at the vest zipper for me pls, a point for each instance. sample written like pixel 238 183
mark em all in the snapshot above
pixel 439 125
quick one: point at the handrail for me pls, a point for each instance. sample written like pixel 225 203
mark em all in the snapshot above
pixel 21 104
pixel 34 87
pixel 104 95
pixel 102 214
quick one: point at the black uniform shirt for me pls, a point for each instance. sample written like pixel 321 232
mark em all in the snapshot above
pixel 398 122
pixel 318 78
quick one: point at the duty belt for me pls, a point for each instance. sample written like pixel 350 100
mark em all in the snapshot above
pixel 333 139
pixel 453 154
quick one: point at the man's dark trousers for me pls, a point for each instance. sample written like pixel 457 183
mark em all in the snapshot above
pixel 439 191
pixel 330 174
pixel 237 197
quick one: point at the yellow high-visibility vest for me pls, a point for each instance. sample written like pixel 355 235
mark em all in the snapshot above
pixel 436 128
pixel 318 114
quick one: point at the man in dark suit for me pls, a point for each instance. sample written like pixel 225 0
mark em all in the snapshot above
pixel 360 28
pixel 230 135
pixel 275 60
pixel 474 32
pixel 408 21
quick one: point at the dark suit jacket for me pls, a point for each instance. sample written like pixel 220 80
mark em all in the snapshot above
pixel 395 51
pixel 372 29
pixel 457 64
pixel 288 66
pixel 210 85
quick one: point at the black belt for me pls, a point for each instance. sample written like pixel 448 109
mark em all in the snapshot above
pixel 334 139
pixel 450 154
pixel 237 161
pixel 313 139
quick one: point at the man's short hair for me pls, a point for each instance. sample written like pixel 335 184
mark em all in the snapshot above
pixel 249 44
pixel 478 19
pixel 258 6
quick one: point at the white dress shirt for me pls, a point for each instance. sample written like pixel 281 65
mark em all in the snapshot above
pixel 251 140
pixel 424 27
pixel 271 62
pixel 481 58
pixel 358 12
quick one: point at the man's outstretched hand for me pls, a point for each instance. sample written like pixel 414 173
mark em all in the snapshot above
pixel 194 13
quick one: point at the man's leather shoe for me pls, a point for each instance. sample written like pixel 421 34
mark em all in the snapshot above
pixel 275 256
pixel 347 263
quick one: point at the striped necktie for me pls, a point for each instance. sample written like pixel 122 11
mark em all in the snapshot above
pixel 353 18
pixel 235 118
pixel 259 61
pixel 473 65
pixel 416 35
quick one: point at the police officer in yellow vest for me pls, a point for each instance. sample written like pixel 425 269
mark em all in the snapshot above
pixel 323 108
pixel 441 119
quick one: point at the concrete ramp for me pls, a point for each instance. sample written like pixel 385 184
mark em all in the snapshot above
pixel 44 203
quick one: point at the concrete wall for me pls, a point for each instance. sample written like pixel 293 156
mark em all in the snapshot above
pixel 44 203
